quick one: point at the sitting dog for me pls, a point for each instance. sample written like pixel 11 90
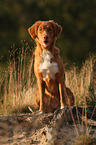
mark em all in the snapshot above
pixel 48 68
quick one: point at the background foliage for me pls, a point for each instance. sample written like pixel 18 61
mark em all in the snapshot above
pixel 78 19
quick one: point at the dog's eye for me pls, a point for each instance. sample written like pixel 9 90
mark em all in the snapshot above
pixel 49 29
pixel 40 29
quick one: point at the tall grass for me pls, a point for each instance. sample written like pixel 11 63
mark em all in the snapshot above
pixel 18 84
pixel 17 87
pixel 83 82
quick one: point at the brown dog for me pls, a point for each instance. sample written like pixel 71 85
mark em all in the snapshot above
pixel 48 68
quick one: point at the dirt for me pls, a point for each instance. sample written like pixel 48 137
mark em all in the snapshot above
pixel 59 128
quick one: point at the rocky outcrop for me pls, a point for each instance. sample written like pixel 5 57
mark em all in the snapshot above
pixel 59 128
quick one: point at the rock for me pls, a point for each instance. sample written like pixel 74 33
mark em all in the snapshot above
pixel 59 128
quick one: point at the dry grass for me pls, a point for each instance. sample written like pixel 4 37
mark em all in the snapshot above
pixel 85 140
pixel 18 84
pixel 83 82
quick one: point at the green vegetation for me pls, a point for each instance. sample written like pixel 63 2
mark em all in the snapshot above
pixel 77 18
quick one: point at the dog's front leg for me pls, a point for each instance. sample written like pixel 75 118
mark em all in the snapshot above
pixel 41 92
pixel 63 94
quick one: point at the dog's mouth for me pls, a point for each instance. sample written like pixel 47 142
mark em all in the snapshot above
pixel 45 43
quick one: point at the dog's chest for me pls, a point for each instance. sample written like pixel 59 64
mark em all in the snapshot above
pixel 47 68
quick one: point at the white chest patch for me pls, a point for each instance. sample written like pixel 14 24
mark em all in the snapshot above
pixel 47 68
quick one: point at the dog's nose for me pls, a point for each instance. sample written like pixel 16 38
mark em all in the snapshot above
pixel 45 36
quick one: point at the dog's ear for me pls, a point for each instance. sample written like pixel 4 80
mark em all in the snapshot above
pixel 57 28
pixel 33 29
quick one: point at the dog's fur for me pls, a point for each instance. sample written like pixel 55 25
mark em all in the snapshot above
pixel 48 68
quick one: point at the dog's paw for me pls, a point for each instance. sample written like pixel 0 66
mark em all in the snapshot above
pixel 40 112
pixel 62 107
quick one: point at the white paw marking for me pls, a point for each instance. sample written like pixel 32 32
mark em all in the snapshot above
pixel 62 107
pixel 40 112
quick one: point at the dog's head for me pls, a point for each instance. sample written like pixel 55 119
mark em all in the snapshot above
pixel 45 32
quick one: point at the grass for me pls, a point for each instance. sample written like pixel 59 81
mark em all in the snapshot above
pixel 17 87
pixel 83 139
pixel 83 82
pixel 18 84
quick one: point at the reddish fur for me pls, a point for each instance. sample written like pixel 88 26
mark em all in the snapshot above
pixel 48 99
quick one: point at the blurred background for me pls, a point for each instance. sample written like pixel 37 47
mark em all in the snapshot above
pixel 77 18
